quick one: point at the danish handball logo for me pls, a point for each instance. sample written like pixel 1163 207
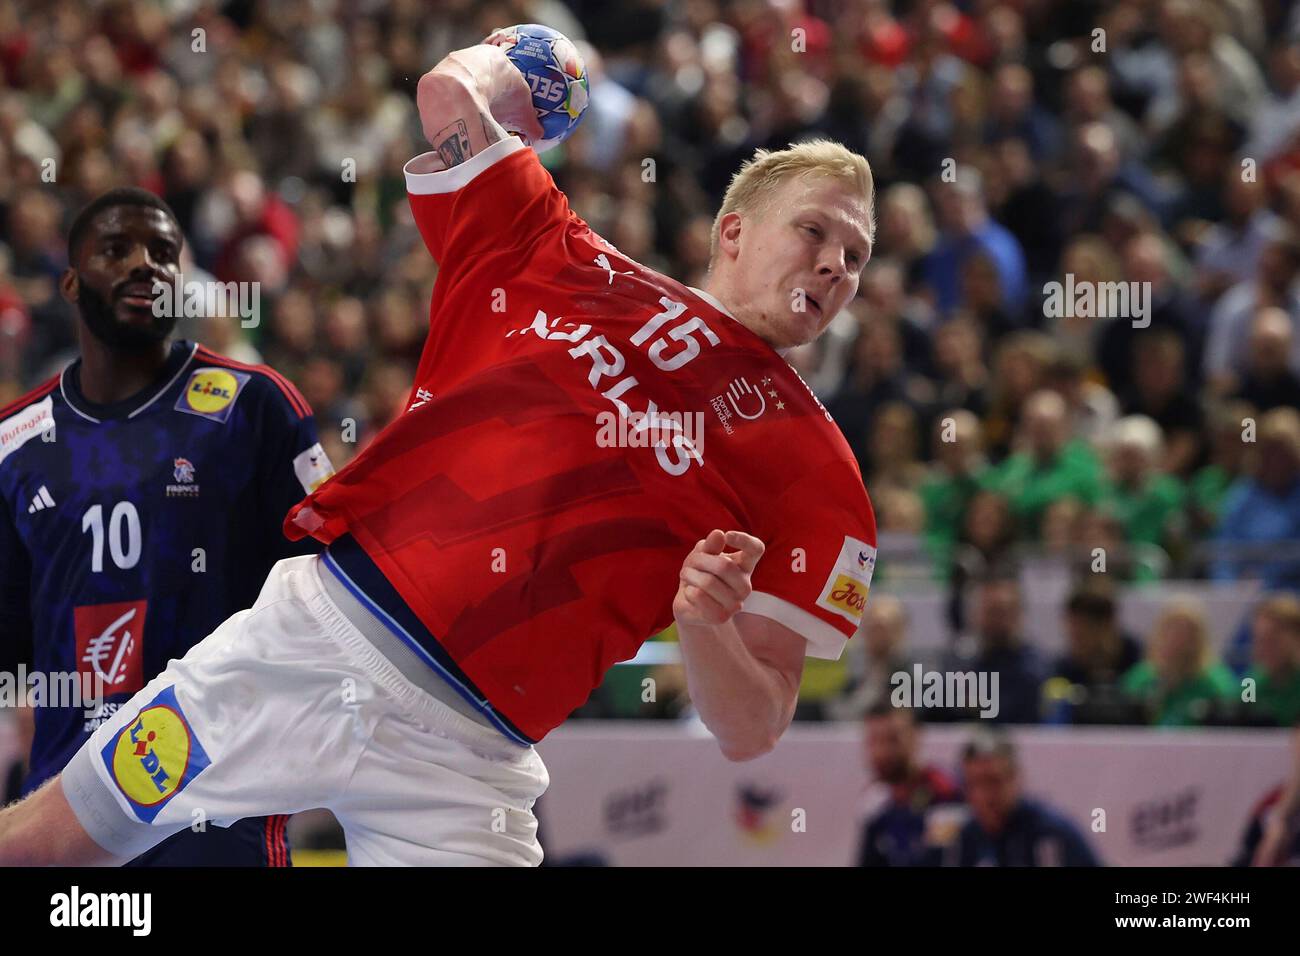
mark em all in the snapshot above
pixel 155 756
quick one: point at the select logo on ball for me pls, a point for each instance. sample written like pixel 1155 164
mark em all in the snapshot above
pixel 211 392
pixel 155 756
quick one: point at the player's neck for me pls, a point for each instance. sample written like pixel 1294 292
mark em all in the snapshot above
pixel 718 290
pixel 109 375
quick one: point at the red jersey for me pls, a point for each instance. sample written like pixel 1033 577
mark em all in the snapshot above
pixel 578 422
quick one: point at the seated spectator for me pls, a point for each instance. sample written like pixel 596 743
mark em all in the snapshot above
pixel 986 539
pixel 1209 485
pixel 880 653
pixel 1002 649
pixel 1160 391
pixel 1262 511
pixel 1180 684
pixel 904 821
pixel 1104 548
pixel 876 374
pixel 952 480
pixel 1007 828
pixel 1147 503
pixel 1098 651
pixel 1047 465
pixel 968 230
pixel 1275 283
pixel 1275 659
pixel 1228 252
pixel 894 447
pixel 963 376
pixel 1020 367
pixel 1268 380
pixel 1091 407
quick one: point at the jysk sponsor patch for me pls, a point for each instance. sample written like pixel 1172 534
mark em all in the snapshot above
pixel 845 592
pixel 155 756
pixel 211 392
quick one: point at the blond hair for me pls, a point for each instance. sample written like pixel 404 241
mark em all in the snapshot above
pixel 756 182
pixel 1191 612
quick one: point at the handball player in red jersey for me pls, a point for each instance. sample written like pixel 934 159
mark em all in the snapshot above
pixel 591 452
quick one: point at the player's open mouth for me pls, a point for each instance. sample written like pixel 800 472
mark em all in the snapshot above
pixel 815 304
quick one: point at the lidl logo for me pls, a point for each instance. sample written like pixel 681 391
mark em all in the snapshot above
pixel 155 756
pixel 211 392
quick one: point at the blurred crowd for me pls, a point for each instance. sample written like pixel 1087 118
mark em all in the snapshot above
pixel 1015 143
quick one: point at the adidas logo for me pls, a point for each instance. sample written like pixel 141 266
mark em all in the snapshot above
pixel 42 501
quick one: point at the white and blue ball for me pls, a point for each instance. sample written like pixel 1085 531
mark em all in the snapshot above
pixel 556 75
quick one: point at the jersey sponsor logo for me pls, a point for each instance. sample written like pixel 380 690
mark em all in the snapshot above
pixel 183 472
pixel 17 430
pixel 848 597
pixel 846 588
pixel 110 641
pixel 155 756
pixel 312 466
pixel 211 392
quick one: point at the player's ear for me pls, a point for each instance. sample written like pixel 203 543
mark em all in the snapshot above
pixel 69 285
pixel 729 234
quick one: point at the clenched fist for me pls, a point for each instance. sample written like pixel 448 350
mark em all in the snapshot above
pixel 715 583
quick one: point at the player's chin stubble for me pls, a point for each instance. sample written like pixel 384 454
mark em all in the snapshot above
pixel 98 314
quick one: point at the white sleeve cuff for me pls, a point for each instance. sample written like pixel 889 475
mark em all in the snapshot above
pixel 824 640
pixel 450 180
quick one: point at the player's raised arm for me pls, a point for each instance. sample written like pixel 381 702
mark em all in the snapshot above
pixel 468 101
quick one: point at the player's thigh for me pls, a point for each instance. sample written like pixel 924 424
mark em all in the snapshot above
pixel 422 798
pixel 260 717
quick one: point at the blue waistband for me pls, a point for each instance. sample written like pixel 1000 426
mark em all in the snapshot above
pixel 348 562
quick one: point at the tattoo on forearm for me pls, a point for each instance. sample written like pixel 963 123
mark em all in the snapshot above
pixel 452 144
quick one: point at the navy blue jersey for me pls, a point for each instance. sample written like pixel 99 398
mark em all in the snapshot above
pixel 129 532
pixel 1034 835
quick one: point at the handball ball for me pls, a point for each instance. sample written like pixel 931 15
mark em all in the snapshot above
pixel 555 73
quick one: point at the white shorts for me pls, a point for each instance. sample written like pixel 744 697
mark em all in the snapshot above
pixel 287 707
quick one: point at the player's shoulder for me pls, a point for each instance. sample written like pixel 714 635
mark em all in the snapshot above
pixel 231 379
pixel 37 394
pixel 27 417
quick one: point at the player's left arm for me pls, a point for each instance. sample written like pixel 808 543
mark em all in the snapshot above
pixel 292 464
pixel 742 670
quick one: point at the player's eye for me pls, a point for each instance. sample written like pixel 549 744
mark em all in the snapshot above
pixel 813 231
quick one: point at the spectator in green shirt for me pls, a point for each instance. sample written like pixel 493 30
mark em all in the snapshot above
pixel 1147 502
pixel 1048 465
pixel 951 483
pixel 1275 658
pixel 1180 683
